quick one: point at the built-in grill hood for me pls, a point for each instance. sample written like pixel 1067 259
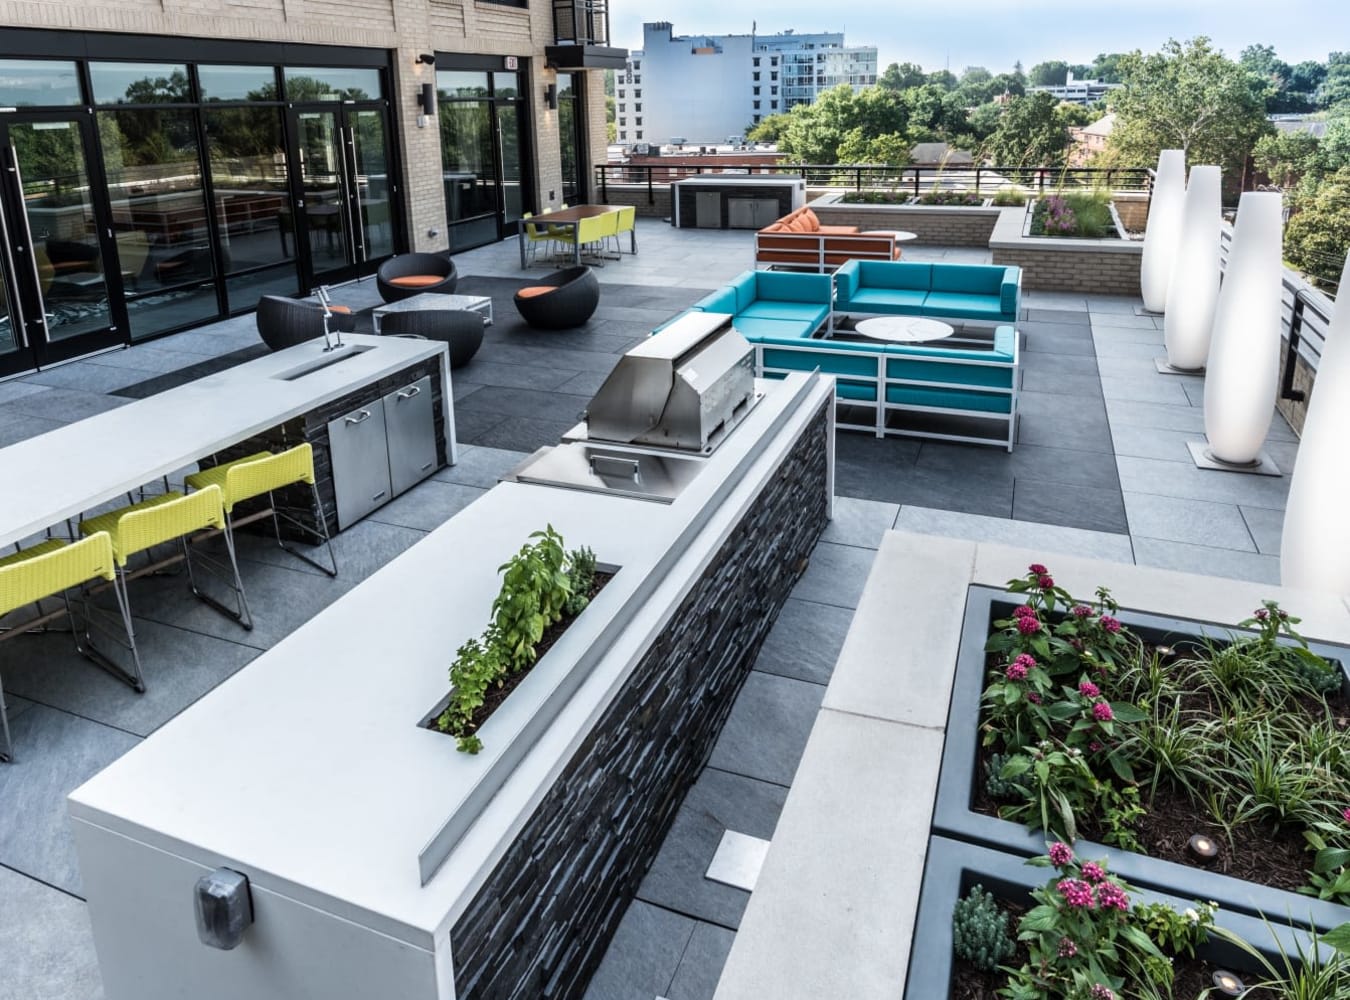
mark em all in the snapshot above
pixel 666 405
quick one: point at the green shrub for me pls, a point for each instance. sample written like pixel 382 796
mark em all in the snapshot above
pixel 1010 198
pixel 1087 216
pixel 980 931
pixel 998 787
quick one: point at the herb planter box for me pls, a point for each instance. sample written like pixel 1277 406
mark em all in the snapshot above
pixel 953 867
pixel 960 773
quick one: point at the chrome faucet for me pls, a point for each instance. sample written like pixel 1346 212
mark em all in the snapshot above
pixel 334 342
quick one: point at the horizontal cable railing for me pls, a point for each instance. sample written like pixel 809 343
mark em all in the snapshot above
pixel 981 181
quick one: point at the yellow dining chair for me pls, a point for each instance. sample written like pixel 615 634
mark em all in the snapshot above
pixel 534 235
pixel 47 569
pixel 170 517
pixel 627 224
pixel 262 473
pixel 608 230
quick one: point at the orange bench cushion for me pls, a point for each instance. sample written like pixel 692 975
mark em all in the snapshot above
pixel 417 280
pixel 837 230
pixel 531 291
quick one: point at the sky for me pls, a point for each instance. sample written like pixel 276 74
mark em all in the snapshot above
pixel 996 33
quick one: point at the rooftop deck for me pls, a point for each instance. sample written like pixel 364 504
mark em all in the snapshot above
pixel 1101 469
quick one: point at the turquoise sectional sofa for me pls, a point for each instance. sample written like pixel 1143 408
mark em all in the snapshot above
pixel 979 292
pixel 902 385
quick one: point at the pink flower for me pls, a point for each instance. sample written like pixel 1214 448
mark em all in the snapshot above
pixel 1067 949
pixel 1038 569
pixel 1102 712
pixel 1100 992
pixel 1094 872
pixel 1028 624
pixel 1026 659
pixel 1081 611
pixel 1033 697
pixel 1088 690
pixel 1061 854
pixel 1023 611
pixel 1345 814
pixel 1109 623
pixel 1261 614
pixel 1112 897
pixel 1045 582
pixel 1016 671
pixel 1076 893
pixel 1095 747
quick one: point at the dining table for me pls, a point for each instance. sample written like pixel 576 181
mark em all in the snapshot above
pixel 570 217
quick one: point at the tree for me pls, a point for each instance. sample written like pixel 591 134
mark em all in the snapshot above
pixel 1106 67
pixel 1049 74
pixel 902 76
pixel 1031 133
pixel 1318 233
pixel 769 129
pixel 1335 87
pixel 983 121
pixel 1288 158
pixel 892 149
pixel 813 133
pixel 1189 97
pixel 1082 71
pixel 1014 84
pixel 943 78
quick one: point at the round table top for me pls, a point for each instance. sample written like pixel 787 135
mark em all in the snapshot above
pixel 904 329
pixel 901 235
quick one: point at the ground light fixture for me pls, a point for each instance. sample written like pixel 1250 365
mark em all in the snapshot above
pixel 1163 231
pixel 1193 290
pixel 1228 984
pixel 1202 848
pixel 1316 533
pixel 1242 374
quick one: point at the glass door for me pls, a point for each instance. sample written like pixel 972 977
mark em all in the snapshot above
pixel 54 286
pixel 344 220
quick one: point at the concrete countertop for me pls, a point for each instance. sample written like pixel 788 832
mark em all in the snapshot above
pixel 308 769
pixel 75 468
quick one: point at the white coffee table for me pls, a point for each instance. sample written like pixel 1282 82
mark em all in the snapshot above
pixel 901 235
pixel 480 304
pixel 904 329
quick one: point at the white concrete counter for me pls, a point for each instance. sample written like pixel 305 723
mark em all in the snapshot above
pixel 77 467
pixel 307 770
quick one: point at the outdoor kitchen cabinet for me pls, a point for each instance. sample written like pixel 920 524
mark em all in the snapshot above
pixel 410 429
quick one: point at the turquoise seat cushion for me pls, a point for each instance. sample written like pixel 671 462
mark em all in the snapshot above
pixel 895 274
pixel 757 328
pixel 963 305
pixel 979 279
pixel 949 399
pixel 786 286
pixel 905 302
pixel 809 313
pixel 721 301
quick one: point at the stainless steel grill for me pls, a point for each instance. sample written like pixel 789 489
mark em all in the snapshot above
pixel 666 405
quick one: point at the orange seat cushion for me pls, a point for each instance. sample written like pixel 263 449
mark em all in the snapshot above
pixel 837 230
pixel 340 309
pixel 799 225
pixel 417 280
pixel 812 223
pixel 531 291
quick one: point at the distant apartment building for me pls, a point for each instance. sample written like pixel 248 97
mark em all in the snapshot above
pixel 1073 91
pixel 707 88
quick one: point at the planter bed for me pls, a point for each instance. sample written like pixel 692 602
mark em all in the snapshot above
pixel 962 774
pixel 948 225
pixel 953 867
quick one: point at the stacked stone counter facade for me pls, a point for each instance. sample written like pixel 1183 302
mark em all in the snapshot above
pixel 541 922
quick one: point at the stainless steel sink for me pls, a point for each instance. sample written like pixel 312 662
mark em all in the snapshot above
pixel 328 360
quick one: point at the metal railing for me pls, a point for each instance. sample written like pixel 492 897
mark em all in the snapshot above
pixel 979 180
pixel 581 22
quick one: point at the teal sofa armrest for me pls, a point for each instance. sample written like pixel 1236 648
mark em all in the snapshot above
pixel 1010 292
pixel 846 281
pixel 721 301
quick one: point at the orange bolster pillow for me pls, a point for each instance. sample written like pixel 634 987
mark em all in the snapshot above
pixel 531 291
pixel 417 280
pixel 340 309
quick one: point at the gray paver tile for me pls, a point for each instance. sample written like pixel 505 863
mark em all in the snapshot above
pixel 1092 507
pixel 1266 527
pixel 1201 522
pixel 835 575
pixel 480 466
pixel 427 505
pixel 1027 534
pixel 804 642
pixel 644 954
pixel 48 950
pixel 1209 561
pixel 767 729
pixel 1184 479
pixel 1145 389
pixel 859 522
pixel 701 967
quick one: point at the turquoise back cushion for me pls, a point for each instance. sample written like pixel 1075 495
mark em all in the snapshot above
pixel 785 286
pixel 744 286
pixel 895 274
pixel 978 279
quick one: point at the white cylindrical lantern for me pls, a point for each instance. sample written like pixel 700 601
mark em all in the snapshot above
pixel 1315 549
pixel 1164 228
pixel 1193 289
pixel 1243 372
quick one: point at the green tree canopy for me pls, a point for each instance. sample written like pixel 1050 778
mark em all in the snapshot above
pixel 813 133
pixel 769 129
pixel 1188 96
pixel 1031 133
pixel 1106 67
pixel 1335 86
pixel 1048 74
pixel 943 78
pixel 902 76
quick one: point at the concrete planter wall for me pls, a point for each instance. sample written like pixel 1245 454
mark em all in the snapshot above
pixel 954 817
pixel 947 225
pixel 1093 267
pixel 954 867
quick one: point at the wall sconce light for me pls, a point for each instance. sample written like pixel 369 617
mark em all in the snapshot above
pixel 551 96
pixel 427 59
pixel 427 100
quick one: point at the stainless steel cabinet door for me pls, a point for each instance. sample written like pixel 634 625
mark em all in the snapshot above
pixel 360 463
pixel 410 423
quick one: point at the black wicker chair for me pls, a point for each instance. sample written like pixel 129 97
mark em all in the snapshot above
pixel 461 329
pixel 284 322
pixel 412 274
pixel 560 301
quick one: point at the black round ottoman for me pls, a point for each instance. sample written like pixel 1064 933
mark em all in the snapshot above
pixel 411 274
pixel 461 329
pixel 561 301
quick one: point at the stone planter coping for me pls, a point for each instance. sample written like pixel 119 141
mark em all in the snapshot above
pixel 835 908
pixel 836 200
pixel 1008 236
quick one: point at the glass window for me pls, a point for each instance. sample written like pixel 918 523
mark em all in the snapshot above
pixel 163 311
pixel 504 84
pixel 639 133
pixel 456 83
pixel 26 83
pixel 238 83
pixel 247 159
pixel 466 157
pixel 311 83
pixel 139 83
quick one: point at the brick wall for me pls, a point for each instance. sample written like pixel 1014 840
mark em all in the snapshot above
pixel 540 924
pixel 636 194
pixel 1074 269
